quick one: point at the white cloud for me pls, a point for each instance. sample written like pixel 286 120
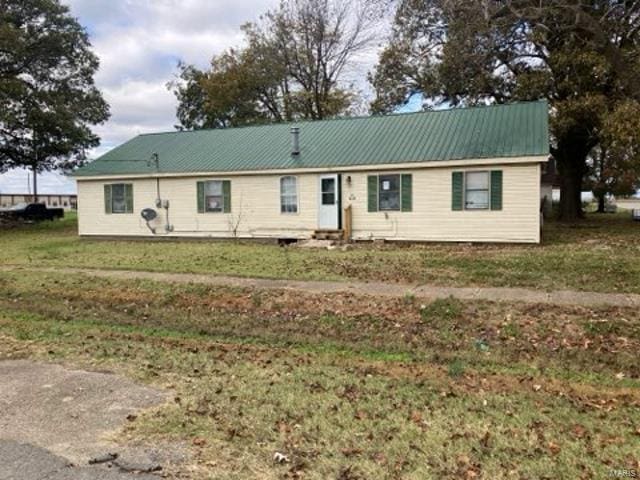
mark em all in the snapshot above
pixel 139 43
pixel 140 103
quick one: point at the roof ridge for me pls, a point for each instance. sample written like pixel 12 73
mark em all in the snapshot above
pixel 348 118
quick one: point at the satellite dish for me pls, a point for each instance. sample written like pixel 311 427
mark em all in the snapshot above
pixel 149 214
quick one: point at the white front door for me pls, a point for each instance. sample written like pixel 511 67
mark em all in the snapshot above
pixel 329 203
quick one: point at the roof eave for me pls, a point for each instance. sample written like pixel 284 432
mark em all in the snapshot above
pixel 462 163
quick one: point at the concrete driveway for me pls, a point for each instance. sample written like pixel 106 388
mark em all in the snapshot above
pixel 28 462
pixel 54 420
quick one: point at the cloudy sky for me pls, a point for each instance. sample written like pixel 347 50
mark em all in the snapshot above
pixel 139 43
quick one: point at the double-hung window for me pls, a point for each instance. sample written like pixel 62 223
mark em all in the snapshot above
pixel 476 191
pixel 288 194
pixel 389 192
pixel 214 196
pixel 118 198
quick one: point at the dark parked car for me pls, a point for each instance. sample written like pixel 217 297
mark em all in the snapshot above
pixel 35 212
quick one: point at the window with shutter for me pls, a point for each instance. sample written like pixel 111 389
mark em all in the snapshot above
pixel 476 190
pixel 118 198
pixel 214 196
pixel 389 192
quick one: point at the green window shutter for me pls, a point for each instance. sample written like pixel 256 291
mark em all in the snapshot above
pixel 107 199
pixel 128 195
pixel 406 195
pixel 226 195
pixel 200 197
pixel 457 193
pixel 496 190
pixel 372 193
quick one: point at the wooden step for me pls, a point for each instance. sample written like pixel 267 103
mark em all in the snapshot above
pixel 328 235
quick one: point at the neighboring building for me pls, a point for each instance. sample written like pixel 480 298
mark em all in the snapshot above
pixel 54 189
pixel 66 201
pixel 461 175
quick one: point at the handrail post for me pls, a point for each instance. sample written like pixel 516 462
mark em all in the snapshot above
pixel 347 224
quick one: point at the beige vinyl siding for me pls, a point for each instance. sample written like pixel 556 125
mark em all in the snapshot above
pixel 256 199
pixel 432 218
pixel 255 203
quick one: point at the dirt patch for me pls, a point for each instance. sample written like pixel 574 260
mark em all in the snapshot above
pixel 72 413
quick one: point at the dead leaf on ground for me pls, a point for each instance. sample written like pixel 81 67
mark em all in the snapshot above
pixel 554 448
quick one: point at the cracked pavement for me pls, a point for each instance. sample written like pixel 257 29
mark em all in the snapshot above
pixel 53 420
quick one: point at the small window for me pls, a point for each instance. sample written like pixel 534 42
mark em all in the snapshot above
pixel 213 197
pixel 328 191
pixel 288 195
pixel 119 198
pixel 476 190
pixel 389 192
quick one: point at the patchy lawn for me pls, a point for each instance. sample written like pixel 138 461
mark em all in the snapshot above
pixel 349 387
pixel 602 254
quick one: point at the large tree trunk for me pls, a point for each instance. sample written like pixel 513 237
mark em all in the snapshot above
pixel 572 166
pixel 570 197
pixel 601 203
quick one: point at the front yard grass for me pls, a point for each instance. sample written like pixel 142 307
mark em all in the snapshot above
pixel 347 387
pixel 600 254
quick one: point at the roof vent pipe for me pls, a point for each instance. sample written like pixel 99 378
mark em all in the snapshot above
pixel 295 139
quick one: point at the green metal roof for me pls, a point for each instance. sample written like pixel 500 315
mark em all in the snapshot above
pixel 515 130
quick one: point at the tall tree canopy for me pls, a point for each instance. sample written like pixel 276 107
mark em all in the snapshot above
pixel 292 66
pixel 48 100
pixel 581 55
pixel 615 162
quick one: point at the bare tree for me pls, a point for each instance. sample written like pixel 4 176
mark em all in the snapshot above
pixel 235 219
pixel 295 65
pixel 317 41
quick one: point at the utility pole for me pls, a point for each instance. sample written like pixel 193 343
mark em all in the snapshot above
pixel 35 184
pixel 35 168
